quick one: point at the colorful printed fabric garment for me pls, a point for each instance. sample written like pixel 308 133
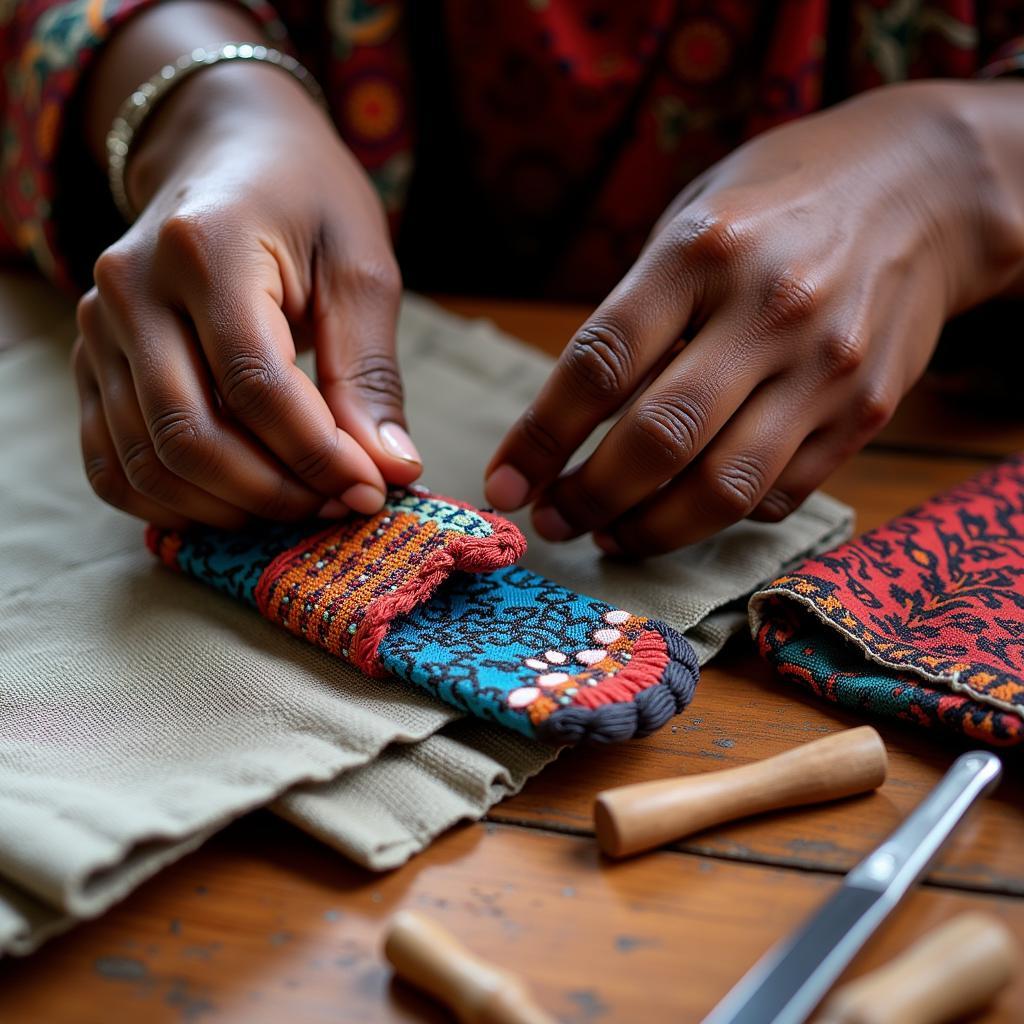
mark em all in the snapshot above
pixel 426 590
pixel 637 99
pixel 920 620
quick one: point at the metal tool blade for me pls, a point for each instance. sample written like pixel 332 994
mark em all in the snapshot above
pixel 791 979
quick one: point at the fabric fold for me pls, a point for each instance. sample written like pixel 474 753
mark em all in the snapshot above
pixel 407 593
pixel 920 620
pixel 383 813
pixel 342 586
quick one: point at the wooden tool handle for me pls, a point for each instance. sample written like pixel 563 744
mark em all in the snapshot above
pixel 953 971
pixel 634 818
pixel 426 955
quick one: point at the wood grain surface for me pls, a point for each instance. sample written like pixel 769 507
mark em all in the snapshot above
pixel 265 924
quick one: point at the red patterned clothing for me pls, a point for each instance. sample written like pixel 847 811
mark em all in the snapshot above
pixel 920 620
pixel 547 135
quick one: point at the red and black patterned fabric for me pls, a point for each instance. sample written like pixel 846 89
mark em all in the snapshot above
pixel 920 620
pixel 570 125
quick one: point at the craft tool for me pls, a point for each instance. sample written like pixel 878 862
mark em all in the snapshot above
pixel 431 958
pixel 646 814
pixel 788 982
pixel 955 970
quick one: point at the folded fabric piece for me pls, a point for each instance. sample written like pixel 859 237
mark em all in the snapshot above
pixel 508 646
pixel 920 620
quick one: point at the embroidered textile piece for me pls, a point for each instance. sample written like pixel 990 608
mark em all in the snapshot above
pixel 426 591
pixel 921 619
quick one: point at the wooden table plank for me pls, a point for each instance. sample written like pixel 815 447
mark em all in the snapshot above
pixel 267 925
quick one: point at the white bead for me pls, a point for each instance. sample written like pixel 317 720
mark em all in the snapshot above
pixel 523 697
pixel 552 679
pixel 616 618
pixel 591 657
pixel 607 636
pixel 556 657
pixel 534 663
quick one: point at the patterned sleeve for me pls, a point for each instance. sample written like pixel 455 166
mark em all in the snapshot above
pixel 47 47
pixel 1002 38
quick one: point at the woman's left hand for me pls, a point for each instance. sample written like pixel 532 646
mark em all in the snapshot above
pixel 808 275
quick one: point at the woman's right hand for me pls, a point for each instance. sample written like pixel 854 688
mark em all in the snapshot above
pixel 259 235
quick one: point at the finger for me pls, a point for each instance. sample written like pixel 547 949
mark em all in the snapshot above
pixel 191 436
pixel 356 322
pixel 723 486
pixel 812 464
pixel 248 345
pixel 659 435
pixel 102 465
pixel 601 367
pixel 141 465
pixel 824 451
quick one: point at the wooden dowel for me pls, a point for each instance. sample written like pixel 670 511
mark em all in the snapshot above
pixel 647 814
pixel 431 958
pixel 955 970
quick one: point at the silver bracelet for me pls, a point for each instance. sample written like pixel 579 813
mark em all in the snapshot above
pixel 141 103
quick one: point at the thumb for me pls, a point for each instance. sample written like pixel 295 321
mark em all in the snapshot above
pixel 357 369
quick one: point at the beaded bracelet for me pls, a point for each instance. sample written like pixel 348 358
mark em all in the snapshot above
pixel 143 100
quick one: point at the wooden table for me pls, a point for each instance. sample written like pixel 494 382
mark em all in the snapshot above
pixel 265 924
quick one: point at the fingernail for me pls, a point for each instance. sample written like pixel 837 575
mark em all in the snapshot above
pixel 398 443
pixel 506 488
pixel 607 543
pixel 363 498
pixel 548 522
pixel 333 509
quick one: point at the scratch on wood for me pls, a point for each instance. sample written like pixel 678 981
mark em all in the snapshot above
pixel 120 968
pixel 627 943
pixel 191 1004
pixel 589 1003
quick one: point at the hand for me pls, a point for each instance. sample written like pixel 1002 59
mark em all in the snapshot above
pixel 808 276
pixel 259 234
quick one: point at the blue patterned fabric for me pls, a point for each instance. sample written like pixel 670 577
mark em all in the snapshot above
pixel 232 562
pixel 470 642
pixel 424 591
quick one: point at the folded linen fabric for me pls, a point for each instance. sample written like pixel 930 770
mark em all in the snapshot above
pixel 140 711
pixel 406 593
pixel 920 620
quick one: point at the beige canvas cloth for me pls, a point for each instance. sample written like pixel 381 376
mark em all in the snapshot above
pixel 140 711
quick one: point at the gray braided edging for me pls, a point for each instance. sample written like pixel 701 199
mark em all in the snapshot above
pixel 648 711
